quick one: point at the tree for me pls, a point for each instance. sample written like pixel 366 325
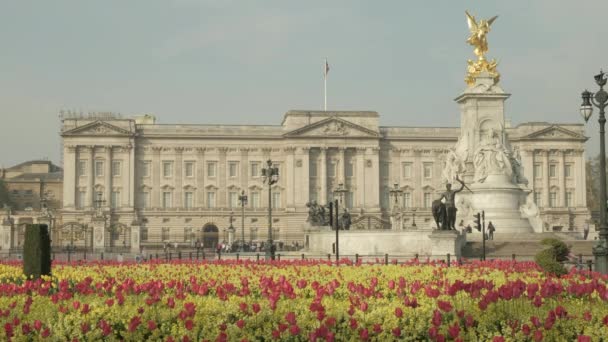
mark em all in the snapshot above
pixel 5 199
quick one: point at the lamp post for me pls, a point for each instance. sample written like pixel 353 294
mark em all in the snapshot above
pixel 271 176
pixel 341 192
pixel 599 100
pixel 396 192
pixel 243 200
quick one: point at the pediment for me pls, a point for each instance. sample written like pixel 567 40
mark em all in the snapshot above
pixel 99 128
pixel 332 127
pixel 554 132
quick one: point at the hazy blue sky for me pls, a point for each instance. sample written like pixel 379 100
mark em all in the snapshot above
pixel 248 62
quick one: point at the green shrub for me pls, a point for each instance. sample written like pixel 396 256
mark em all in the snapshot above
pixel 36 251
pixel 550 258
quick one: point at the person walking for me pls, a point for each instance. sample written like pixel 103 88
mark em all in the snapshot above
pixel 491 230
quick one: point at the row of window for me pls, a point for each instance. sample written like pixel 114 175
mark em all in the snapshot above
pixel 331 169
pixel 406 200
pixel 538 173
pixel 81 168
pixel 407 170
pixel 553 203
pixel 255 168
pixel 22 192
pixel 189 234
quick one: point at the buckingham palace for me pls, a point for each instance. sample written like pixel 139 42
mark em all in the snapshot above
pixel 149 183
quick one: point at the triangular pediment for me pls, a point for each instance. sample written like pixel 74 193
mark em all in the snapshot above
pixel 100 128
pixel 331 128
pixel 554 133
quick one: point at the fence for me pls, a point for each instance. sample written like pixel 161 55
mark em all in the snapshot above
pixel 63 255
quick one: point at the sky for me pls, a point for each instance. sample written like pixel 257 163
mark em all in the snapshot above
pixel 249 62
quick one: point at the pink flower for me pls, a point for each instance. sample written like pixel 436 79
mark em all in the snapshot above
pixel 444 306
pixel 151 325
pixel 294 330
pixel 436 318
pixel 189 324
pixel 45 333
pixel 498 339
pixel 454 330
pixel 364 334
pixel 255 307
pixel 240 323
pixel 583 338
pixel 398 312
pixel 396 332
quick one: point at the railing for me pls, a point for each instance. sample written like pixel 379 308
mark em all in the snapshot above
pixel 582 262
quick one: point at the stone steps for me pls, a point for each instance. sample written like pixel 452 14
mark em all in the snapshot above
pixel 521 248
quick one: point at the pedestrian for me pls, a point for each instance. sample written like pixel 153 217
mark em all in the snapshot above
pixel 586 230
pixel 461 226
pixel 469 229
pixel 491 230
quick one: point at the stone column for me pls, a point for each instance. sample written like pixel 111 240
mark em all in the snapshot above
pixel 91 177
pixel 527 162
pixel 341 178
pixel 200 177
pixel 125 175
pixel 562 179
pixel 302 182
pixel 179 186
pixel 156 176
pixel 131 169
pixel 244 170
pixel 360 177
pixel 221 177
pixel 108 175
pixel 289 177
pixel 135 237
pixel 323 176
pixel 69 176
pixel 546 189
pixel 372 178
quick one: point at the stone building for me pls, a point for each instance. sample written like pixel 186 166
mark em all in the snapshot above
pixel 144 182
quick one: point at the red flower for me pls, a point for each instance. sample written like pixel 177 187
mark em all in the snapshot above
pixel 37 325
pixel 396 332
pixel 151 325
pixel 243 307
pixel 76 305
pixel 583 338
pixel 587 316
pixel 525 329
pixel 294 330
pixel 538 336
pixel 85 327
pixel 134 323
pixel 330 321
pixel 276 334
pixel 45 333
pixel 398 312
pixel 364 334
pixel 498 339
pixel 255 307
pixel 444 306
pixel 363 306
pixel 454 330
pixel 25 328
pixel 391 284
pixel 436 318
pixel 605 320
pixel 290 317
pixel 109 302
pixel 353 324
pixel 240 323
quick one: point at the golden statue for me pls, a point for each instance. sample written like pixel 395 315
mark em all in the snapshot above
pixel 479 41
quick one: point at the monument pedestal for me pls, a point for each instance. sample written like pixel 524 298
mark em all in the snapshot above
pixel 135 241
pixel 99 234
pixel 445 242
pixel 500 199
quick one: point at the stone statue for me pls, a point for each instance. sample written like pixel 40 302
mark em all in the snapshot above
pixel 450 203
pixel 345 220
pixel 518 171
pixel 440 215
pixel 477 39
pixel 491 158
pixel 316 214
pixel 454 166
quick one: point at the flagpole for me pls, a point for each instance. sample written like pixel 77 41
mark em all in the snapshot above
pixel 325 84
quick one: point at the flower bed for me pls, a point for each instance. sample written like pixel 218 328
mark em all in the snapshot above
pixel 300 301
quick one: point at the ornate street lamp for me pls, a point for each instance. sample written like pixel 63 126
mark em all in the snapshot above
pixel 271 176
pixel 243 200
pixel 396 192
pixel 600 100
pixel 341 191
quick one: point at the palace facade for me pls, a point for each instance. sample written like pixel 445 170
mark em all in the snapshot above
pixel 182 183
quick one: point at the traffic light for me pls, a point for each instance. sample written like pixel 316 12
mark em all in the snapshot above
pixel 477 221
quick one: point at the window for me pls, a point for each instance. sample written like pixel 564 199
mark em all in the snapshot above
pixel 146 166
pixel 80 200
pixel 232 169
pixel 115 168
pixel 99 168
pixel 166 199
pixel 312 169
pixel 189 169
pixel 384 199
pixel 407 200
pixel 233 199
pixel 99 201
pixel 384 170
pixel 165 234
pixel 568 170
pixel 255 199
pixel 537 172
pixel 115 199
pixel 349 199
pixel 210 199
pixel 552 170
pixel 145 199
pixel 349 171
pixel 211 169
pixel 188 199
pixel 331 169
pixel 537 199
pixel 143 234
pixel 188 235
pixel 167 169
pixel 427 170
pixel 407 170
pixel 553 199
pixel 569 201
pixel 255 169
pixel 82 167
pixel 427 199
pixel 276 199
